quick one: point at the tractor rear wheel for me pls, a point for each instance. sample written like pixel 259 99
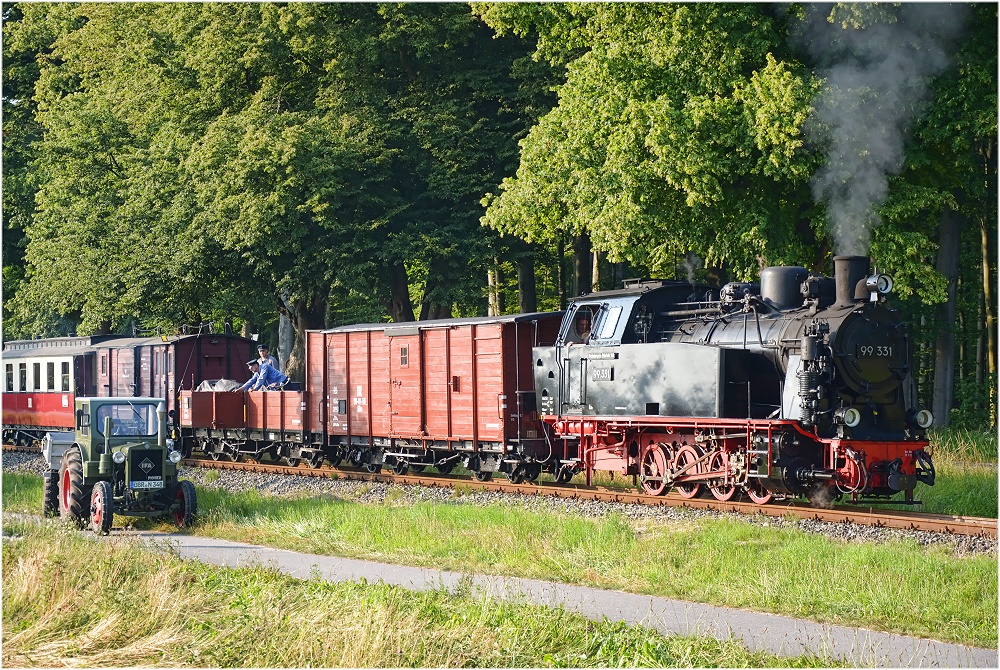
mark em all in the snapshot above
pixel 187 504
pixel 74 496
pixel 50 493
pixel 102 508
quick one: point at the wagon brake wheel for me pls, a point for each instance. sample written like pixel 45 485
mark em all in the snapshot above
pixel 721 491
pixel 654 470
pixel 686 455
pixel 757 493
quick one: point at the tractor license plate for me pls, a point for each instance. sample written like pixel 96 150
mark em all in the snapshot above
pixel 147 485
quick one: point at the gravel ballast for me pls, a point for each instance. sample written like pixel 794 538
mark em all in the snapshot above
pixel 235 481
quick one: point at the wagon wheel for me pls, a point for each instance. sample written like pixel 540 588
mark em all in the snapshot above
pixel 373 468
pixel 316 460
pixel 532 471
pixel 686 455
pixel 292 462
pixel 483 476
pixel 517 474
pixel 654 470
pixel 721 491
pixel 400 467
pixel 564 475
pixel 336 456
pixel 418 468
pixel 446 468
pixel 215 455
pixel 756 491
pixel 102 508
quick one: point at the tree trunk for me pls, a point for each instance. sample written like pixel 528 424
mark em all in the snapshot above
pixel 944 350
pixel 303 316
pixel 561 271
pixel 582 265
pixel 991 317
pixel 436 303
pixel 497 302
pixel 400 307
pixel 527 294
pixel 595 274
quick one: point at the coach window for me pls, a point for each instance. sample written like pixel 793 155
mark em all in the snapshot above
pixel 65 376
pixel 104 364
pixel 36 369
pixel 10 378
pixel 50 376
pixel 22 371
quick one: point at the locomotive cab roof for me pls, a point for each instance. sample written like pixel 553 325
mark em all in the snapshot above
pixel 626 315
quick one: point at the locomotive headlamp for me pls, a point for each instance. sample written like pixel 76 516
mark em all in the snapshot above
pixel 118 457
pixel 881 284
pixel 175 457
pixel 924 418
pixel 850 417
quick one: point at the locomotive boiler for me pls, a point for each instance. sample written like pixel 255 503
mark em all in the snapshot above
pixel 798 385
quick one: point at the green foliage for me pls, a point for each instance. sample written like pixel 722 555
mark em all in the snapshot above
pixel 676 123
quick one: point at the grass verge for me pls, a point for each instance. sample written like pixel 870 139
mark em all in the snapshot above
pixel 126 606
pixel 899 586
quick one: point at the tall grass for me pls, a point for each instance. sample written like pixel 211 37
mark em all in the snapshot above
pixel 67 604
pixel 897 586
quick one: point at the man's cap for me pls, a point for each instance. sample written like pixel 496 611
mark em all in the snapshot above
pixel 262 346
pixel 252 363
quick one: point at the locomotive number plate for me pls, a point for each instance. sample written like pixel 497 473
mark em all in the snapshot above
pixel 603 374
pixel 874 351
pixel 146 485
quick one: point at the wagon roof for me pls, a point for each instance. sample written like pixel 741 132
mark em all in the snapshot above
pixel 444 323
pixel 73 346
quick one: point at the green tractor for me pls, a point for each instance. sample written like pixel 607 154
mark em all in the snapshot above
pixel 116 462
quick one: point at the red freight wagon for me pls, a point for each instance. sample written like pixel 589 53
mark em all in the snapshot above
pixel 257 423
pixel 433 392
pixel 42 377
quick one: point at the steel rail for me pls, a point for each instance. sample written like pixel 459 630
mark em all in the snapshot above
pixel 860 515
pixel 864 516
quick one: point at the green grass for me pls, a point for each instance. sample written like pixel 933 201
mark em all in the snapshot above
pixel 126 606
pixel 897 586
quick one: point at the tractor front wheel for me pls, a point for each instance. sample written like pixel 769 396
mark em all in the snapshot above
pixel 187 504
pixel 102 508
pixel 74 497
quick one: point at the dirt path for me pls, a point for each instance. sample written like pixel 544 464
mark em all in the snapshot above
pixel 758 631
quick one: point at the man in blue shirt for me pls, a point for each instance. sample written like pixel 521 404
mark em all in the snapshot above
pixel 264 377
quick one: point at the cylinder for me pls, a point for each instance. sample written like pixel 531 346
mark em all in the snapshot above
pixel 848 271
pixel 779 286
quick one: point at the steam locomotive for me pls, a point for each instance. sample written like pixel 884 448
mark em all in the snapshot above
pixel 797 385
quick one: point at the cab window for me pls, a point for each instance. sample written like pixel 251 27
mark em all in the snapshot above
pixel 128 420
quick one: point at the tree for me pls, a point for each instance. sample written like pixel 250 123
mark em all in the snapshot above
pixel 678 128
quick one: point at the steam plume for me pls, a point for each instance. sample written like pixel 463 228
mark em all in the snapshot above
pixel 877 79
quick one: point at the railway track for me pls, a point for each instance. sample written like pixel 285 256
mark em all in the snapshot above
pixel 865 516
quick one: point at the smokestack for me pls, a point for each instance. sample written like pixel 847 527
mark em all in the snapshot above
pixel 848 271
